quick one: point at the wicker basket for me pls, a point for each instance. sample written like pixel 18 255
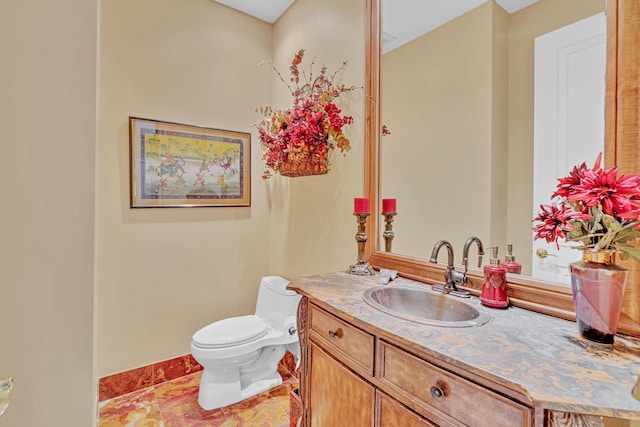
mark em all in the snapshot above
pixel 311 165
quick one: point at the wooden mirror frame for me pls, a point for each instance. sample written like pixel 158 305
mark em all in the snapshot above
pixel 622 144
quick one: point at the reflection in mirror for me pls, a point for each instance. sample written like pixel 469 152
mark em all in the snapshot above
pixel 459 104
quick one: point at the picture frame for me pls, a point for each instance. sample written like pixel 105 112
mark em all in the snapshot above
pixel 177 165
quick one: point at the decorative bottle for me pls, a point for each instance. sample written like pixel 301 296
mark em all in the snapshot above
pixel 494 289
pixel 510 261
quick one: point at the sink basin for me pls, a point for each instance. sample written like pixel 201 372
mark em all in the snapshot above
pixel 425 306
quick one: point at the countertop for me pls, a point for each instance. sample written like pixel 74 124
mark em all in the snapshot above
pixel 540 356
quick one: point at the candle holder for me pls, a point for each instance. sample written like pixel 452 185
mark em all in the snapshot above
pixel 388 233
pixel 361 267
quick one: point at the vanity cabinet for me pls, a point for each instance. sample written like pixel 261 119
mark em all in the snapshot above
pixel 362 367
pixel 338 397
pixel 351 377
pixel 393 414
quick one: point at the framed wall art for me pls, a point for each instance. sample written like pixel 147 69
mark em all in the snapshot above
pixel 176 165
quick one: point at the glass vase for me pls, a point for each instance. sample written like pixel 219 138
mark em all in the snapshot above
pixel 598 286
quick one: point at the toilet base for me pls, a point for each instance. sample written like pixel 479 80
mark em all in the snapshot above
pixel 260 386
pixel 222 387
pixel 217 395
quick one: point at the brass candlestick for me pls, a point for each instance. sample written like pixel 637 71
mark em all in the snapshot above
pixel 361 267
pixel 388 233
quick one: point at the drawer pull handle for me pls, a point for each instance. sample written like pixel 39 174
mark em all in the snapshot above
pixel 437 392
pixel 440 390
pixel 335 334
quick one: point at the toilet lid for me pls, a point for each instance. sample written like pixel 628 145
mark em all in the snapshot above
pixel 230 332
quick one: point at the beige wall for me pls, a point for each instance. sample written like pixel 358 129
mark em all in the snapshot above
pixel 499 128
pixel 164 273
pixel 439 148
pixel 311 222
pixel 48 128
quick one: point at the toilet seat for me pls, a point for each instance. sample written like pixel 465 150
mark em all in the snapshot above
pixel 230 332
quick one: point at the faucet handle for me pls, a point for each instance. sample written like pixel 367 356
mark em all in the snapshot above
pixel 457 277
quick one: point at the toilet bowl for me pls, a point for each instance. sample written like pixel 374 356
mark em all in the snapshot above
pixel 240 355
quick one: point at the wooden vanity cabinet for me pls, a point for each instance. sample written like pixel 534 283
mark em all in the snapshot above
pixel 338 397
pixel 391 413
pixel 345 382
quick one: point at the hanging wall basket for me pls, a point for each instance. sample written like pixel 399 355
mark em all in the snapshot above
pixel 296 141
pixel 306 166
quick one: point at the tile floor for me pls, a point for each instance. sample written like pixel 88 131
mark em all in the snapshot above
pixel 175 404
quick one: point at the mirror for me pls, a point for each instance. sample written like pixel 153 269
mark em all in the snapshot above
pixel 622 116
pixel 459 103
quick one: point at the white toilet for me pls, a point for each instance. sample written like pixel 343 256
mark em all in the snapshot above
pixel 240 355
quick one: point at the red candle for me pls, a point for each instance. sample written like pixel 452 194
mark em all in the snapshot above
pixel 388 205
pixel 361 205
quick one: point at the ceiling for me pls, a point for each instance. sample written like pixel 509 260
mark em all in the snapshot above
pixel 266 10
pixel 403 22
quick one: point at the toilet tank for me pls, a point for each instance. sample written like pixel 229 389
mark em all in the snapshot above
pixel 275 302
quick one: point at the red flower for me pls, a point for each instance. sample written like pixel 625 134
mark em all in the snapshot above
pixel 599 210
pixel 567 184
pixel 555 222
pixel 333 112
pixel 603 187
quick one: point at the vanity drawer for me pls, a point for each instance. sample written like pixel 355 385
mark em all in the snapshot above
pixel 348 343
pixel 450 396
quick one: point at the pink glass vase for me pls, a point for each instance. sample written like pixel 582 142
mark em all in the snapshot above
pixel 598 289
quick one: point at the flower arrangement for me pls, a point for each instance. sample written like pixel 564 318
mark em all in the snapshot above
pixel 595 208
pixel 306 132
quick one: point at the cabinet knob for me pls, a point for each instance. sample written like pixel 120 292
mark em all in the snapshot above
pixel 440 390
pixel 437 392
pixel 335 334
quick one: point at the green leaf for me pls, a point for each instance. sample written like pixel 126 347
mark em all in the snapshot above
pixel 629 249
pixel 611 223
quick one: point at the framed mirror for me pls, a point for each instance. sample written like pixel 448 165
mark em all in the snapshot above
pixel 621 143
pixel 486 107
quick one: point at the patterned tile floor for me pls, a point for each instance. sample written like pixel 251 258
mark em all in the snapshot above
pixel 175 404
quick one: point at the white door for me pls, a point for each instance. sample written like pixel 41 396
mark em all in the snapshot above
pixel 568 121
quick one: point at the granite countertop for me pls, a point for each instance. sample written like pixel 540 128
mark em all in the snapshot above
pixel 540 356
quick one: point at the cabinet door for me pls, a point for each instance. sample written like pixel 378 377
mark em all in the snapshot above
pixel 394 414
pixel 337 396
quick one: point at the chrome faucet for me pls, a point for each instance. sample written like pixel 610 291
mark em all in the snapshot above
pixel 465 252
pixel 451 276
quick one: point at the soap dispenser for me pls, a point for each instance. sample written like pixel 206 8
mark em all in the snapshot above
pixel 510 261
pixel 494 289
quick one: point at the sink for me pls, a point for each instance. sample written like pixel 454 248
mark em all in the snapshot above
pixel 425 306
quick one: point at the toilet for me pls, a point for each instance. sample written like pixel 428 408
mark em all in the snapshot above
pixel 240 355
